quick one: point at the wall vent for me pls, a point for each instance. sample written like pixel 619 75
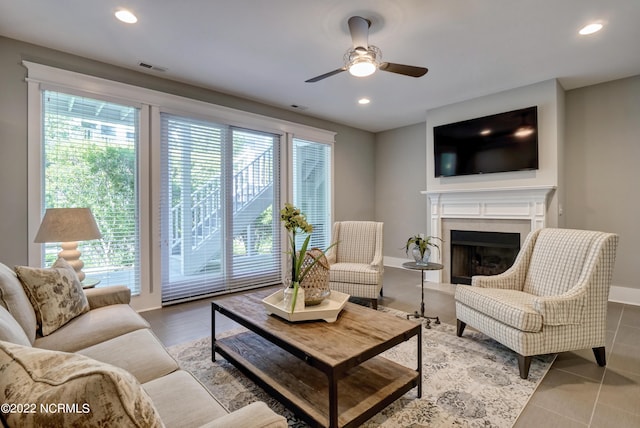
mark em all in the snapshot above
pixel 151 67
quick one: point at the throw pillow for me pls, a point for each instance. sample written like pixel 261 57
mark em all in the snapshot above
pixel 55 293
pixel 61 389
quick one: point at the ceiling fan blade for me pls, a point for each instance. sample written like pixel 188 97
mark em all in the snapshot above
pixel 407 70
pixel 325 75
pixel 359 29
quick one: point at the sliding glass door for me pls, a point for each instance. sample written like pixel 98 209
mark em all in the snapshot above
pixel 220 187
pixel 186 194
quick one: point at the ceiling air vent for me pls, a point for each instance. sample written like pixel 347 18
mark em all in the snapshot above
pixel 151 67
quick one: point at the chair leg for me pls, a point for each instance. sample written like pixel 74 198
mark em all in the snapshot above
pixel 523 364
pixel 601 358
pixel 374 304
pixel 460 327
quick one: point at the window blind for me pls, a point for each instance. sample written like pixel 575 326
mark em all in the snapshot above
pixel 90 150
pixel 312 188
pixel 219 191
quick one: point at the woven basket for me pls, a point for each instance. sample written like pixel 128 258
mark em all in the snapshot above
pixel 316 282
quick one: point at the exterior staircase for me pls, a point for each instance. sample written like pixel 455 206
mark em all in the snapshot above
pixel 201 215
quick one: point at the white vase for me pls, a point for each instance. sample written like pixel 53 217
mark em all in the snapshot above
pixel 421 259
pixel 288 299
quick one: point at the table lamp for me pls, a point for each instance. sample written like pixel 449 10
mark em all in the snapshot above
pixel 68 226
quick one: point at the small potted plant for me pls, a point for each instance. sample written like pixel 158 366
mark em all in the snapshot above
pixel 419 245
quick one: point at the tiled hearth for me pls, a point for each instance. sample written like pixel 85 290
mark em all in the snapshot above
pixel 515 210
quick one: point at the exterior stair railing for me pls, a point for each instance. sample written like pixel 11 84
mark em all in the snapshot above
pixel 206 209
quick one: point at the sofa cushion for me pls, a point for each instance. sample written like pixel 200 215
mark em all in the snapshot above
pixel 95 393
pixel 10 330
pixel 251 415
pixel 55 293
pixel 15 300
pixel 93 327
pixel 139 352
pixel 180 390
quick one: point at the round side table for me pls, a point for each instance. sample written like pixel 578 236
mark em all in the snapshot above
pixel 422 268
pixel 90 282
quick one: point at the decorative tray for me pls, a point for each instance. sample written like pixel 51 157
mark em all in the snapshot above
pixel 327 310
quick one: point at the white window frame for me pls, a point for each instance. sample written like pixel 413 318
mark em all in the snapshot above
pixel 47 78
pixel 151 102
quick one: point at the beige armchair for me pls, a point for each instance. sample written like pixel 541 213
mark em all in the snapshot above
pixel 356 266
pixel 553 298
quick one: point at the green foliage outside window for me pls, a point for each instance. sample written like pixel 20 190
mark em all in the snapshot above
pixel 85 172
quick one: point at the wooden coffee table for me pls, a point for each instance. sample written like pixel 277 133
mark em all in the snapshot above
pixel 329 374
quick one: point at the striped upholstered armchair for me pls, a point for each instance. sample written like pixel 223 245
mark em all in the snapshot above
pixel 553 298
pixel 356 266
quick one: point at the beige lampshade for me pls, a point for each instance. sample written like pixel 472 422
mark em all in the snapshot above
pixel 67 225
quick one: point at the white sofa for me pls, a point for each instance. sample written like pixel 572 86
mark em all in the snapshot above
pixel 104 366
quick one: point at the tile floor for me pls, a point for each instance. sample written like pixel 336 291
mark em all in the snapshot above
pixel 575 392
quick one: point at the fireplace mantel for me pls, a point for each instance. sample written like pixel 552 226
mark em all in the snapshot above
pixel 524 203
pixel 497 207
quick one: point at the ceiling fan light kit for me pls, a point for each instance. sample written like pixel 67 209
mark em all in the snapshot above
pixel 363 59
pixel 361 62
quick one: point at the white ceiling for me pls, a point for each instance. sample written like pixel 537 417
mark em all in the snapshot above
pixel 265 50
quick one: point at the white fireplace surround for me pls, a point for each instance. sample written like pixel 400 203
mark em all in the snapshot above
pixel 525 205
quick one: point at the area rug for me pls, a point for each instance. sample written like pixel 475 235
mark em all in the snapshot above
pixel 471 381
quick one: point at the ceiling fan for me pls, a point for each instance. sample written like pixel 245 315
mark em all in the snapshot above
pixel 363 59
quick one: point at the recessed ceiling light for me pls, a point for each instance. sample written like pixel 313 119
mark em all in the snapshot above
pixel 126 16
pixel 364 101
pixel 485 132
pixel 590 29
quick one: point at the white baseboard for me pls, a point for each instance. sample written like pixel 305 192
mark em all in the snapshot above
pixel 394 261
pixel 618 294
pixel 626 295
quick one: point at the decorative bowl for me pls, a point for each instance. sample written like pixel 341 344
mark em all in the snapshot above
pixel 327 310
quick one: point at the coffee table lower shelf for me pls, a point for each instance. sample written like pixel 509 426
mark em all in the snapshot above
pixel 365 389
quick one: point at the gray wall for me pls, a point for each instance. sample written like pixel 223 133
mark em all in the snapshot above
pixel 602 167
pixel 354 153
pixel 400 177
pixel 354 175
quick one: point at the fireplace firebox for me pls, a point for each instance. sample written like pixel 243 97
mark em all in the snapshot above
pixel 481 253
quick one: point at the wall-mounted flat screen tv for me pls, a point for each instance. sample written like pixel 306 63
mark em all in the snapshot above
pixel 497 143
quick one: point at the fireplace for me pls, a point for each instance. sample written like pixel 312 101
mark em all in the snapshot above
pixel 518 210
pixel 481 253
